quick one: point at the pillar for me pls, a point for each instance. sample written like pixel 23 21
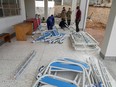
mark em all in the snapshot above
pixel 108 50
pixel 62 2
pixel 74 5
pixel 84 10
pixel 46 9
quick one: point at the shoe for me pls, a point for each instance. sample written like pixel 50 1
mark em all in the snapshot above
pixel 33 41
pixel 33 37
pixel 33 32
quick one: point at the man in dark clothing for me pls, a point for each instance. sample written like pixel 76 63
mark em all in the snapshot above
pixel 63 24
pixel 53 20
pixel 49 23
pixel 78 18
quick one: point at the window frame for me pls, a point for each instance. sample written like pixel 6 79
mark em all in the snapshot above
pixel 10 8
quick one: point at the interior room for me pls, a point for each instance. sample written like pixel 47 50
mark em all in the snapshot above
pixel 36 51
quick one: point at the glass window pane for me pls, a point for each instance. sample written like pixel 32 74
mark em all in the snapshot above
pixel 1 13
pixel 17 3
pixel 13 6
pixel 10 8
pixel 0 3
pixel 39 0
pixel 12 1
pixel 5 3
pixel 17 11
pixel 13 11
pixel 6 12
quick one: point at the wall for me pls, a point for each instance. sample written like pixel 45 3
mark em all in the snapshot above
pixel 6 24
pixel 112 42
pixel 30 8
pixel 109 44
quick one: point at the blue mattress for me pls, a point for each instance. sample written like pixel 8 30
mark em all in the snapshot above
pixel 64 66
pixel 56 82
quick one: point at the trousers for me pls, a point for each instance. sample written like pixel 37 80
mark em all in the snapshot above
pixel 77 25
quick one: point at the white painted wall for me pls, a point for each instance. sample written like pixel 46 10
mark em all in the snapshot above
pixel 109 44
pixel 6 24
pixel 30 8
pixel 112 42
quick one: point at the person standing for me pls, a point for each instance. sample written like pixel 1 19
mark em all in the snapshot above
pixel 78 18
pixel 69 12
pixel 39 22
pixel 63 14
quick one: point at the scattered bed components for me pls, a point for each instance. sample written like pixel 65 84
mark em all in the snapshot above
pixel 83 41
pixel 51 74
pixel 67 72
pixel 100 73
pixel 23 66
pixel 104 73
pixel 50 36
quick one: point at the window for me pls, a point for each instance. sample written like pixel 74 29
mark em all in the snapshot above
pixel 43 0
pixel 9 8
pixel 0 4
pixel 39 0
pixel 1 13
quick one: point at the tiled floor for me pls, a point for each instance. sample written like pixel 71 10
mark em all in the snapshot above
pixel 13 54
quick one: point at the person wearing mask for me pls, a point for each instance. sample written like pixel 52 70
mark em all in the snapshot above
pixel 78 18
pixel 69 12
pixel 39 21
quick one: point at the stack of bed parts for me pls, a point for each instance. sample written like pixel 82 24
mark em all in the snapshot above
pixel 50 36
pixel 68 72
pixel 83 41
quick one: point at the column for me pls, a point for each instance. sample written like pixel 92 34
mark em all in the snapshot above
pixel 108 50
pixel 45 9
pixel 62 2
pixel 74 5
pixel 84 10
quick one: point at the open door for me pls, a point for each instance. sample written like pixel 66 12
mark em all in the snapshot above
pixel 30 8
